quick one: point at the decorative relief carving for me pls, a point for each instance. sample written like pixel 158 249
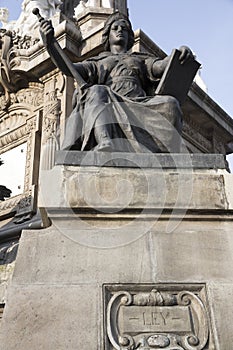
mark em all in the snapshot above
pixel 10 138
pixel 11 122
pixel 217 143
pixel 50 127
pixel 191 131
pixel 21 123
pixel 23 205
pixel 23 42
pixel 18 124
pixel 51 120
pixel 31 129
pixel 24 209
pixel 19 133
pixel 4 99
pixel 10 81
pixel 156 319
pixel 10 205
pixel 32 97
pixel 52 104
pixel 50 141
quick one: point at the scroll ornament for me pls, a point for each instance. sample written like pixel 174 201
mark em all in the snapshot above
pixel 148 321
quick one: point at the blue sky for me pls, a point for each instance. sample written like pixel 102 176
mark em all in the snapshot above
pixel 206 26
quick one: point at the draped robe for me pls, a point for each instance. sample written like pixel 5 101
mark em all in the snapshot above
pixel 121 97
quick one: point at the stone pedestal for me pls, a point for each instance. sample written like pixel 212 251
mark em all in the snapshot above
pixel 138 255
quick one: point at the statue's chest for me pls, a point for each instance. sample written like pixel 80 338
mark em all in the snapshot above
pixel 122 65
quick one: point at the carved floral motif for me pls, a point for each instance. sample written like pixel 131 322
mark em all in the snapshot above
pixel 23 42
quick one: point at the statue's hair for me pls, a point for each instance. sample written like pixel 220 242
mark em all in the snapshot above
pixel 116 16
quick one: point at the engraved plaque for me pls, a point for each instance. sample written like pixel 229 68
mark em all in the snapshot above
pixel 172 317
pixel 147 319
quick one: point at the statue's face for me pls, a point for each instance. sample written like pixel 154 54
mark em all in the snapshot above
pixel 119 33
pixel 4 13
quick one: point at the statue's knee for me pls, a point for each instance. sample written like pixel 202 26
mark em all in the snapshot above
pixel 173 102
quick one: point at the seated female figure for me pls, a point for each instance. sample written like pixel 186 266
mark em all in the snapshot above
pixel 118 110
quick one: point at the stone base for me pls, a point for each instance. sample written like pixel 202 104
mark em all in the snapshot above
pixel 115 182
pixel 125 275
pixel 56 297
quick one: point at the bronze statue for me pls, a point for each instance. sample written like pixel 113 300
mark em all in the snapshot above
pixel 116 109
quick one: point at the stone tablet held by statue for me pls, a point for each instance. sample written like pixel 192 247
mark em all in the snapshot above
pixel 177 78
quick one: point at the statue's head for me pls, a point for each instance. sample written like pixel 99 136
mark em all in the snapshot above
pixel 108 24
pixel 4 14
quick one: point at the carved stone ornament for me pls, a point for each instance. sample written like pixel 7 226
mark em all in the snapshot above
pixel 11 79
pixel 20 124
pixel 157 319
pixel 51 120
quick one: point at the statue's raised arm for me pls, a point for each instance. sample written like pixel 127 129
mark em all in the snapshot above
pixel 59 58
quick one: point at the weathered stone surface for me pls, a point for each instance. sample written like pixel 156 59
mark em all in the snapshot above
pixel 51 317
pixel 126 242
pixel 62 277
pixel 197 251
pixel 105 188
pixel 142 257
pixel 74 262
pixel 220 295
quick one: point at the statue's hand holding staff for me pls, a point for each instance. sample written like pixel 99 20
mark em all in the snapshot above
pixel 55 50
pixel 46 28
pixel 47 32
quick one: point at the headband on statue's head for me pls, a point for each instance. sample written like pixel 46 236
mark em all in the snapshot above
pixel 116 16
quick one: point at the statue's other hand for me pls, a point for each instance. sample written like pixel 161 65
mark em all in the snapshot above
pixel 46 31
pixel 185 54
